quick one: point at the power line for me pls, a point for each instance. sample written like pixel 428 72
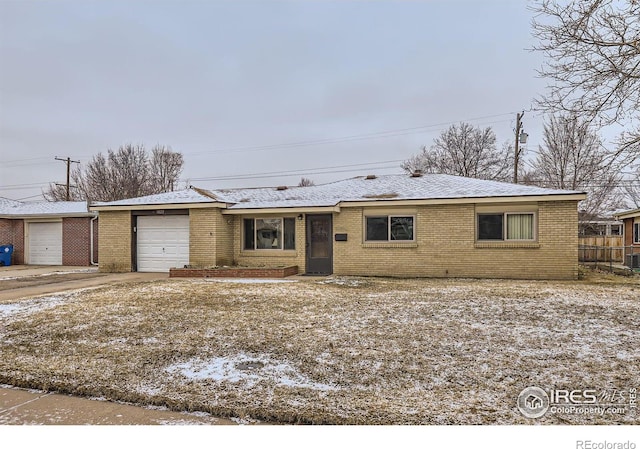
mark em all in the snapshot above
pixel 30 197
pixel 291 172
pixel 356 137
pixel 332 140
pixel 301 174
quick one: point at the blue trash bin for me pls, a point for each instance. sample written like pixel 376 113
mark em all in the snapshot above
pixel 5 255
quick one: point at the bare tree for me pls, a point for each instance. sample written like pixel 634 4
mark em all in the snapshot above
pixel 165 168
pixel 572 157
pixel 306 182
pixel 126 173
pixel 464 150
pixel 592 50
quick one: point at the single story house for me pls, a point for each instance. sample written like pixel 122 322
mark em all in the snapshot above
pixel 430 225
pixel 631 219
pixel 49 233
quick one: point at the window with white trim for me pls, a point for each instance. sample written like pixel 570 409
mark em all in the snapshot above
pixel 636 233
pixel 506 226
pixel 389 228
pixel 269 233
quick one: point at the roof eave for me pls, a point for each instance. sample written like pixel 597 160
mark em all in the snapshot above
pixel 466 200
pixel 163 206
pixel 282 210
pixel 47 216
pixel 628 214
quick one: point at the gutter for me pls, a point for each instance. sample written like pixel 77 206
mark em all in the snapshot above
pixel 91 238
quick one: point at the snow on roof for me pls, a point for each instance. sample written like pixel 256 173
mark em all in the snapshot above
pixel 13 208
pixel 382 188
pixel 187 196
pixel 620 215
pixel 6 202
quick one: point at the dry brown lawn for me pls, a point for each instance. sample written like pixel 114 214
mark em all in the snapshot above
pixel 339 351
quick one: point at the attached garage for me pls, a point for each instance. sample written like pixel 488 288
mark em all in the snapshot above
pixel 44 243
pixel 49 233
pixel 162 242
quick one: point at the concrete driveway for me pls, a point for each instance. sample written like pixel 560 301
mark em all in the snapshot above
pixel 23 281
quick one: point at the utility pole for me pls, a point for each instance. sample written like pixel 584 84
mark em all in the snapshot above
pixel 517 147
pixel 68 161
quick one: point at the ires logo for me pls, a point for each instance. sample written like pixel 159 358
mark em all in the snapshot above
pixel 574 397
pixel 534 402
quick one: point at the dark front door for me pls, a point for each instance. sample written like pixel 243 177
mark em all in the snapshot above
pixel 319 244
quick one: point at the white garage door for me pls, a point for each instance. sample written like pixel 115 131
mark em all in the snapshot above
pixel 45 243
pixel 163 242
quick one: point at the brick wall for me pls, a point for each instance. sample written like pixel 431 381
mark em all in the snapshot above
pixel 233 272
pixel 12 233
pixel 76 241
pixel 115 241
pixel 224 238
pixel 445 246
pixel 210 238
pixel 202 237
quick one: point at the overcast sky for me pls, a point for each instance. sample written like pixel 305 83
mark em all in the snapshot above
pixel 246 88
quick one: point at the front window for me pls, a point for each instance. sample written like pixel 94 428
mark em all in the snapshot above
pixel 269 233
pixel 387 228
pixel 636 233
pixel 507 226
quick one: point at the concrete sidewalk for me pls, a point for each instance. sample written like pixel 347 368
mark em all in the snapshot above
pixel 20 407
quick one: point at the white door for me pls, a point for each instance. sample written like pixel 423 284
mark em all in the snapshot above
pixel 45 243
pixel 162 242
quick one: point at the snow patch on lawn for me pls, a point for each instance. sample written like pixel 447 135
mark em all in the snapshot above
pixel 159 289
pixel 27 307
pixel 348 282
pixel 246 369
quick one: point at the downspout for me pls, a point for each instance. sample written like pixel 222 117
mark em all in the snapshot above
pixel 91 238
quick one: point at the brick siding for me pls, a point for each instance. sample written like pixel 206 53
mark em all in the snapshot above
pixel 76 241
pixel 233 272
pixel 445 246
pixel 115 241
pixel 210 238
pixel 12 233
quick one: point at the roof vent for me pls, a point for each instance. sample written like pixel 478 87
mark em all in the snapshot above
pixel 416 174
pixel 371 177
pixel 282 188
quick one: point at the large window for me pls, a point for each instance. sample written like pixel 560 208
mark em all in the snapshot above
pixel 269 233
pixel 636 233
pixel 389 228
pixel 506 226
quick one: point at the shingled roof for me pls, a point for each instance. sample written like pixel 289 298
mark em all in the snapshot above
pixel 359 189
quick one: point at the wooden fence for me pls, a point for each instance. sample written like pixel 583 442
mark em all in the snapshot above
pixel 600 248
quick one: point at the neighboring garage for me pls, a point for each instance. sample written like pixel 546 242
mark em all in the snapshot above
pixel 49 233
pixel 44 243
pixel 162 242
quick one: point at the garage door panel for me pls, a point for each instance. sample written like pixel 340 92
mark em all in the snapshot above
pixel 162 242
pixel 45 243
